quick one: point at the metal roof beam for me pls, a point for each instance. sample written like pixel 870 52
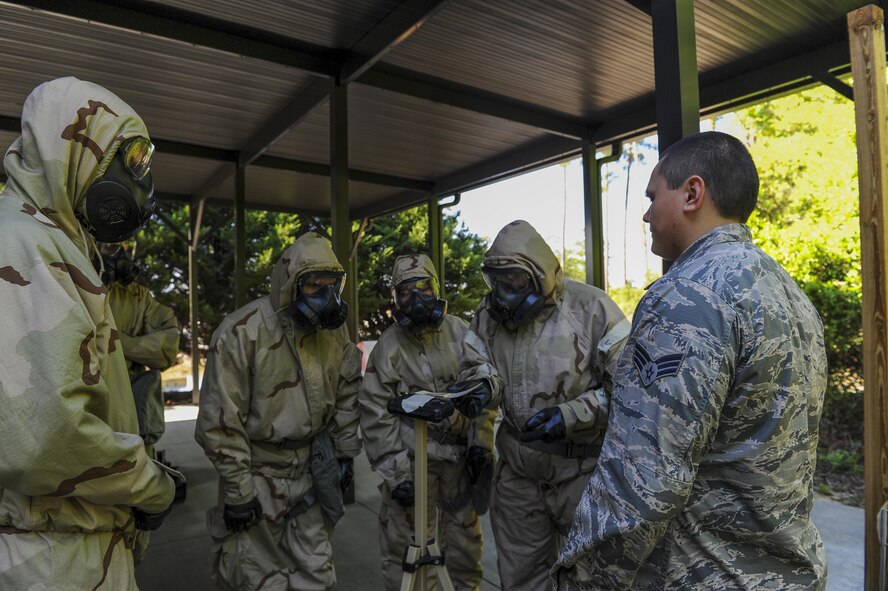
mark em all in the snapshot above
pixel 361 176
pixel 530 156
pixel 438 90
pixel 642 5
pixel 733 92
pixel 198 29
pixel 393 30
pixel 302 104
pixel 231 156
pixel 824 77
pixel 186 200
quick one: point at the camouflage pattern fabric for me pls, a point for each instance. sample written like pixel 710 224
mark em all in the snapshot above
pixel 268 381
pixel 72 463
pixel 564 358
pixel 705 478
pixel 149 335
pixel 404 362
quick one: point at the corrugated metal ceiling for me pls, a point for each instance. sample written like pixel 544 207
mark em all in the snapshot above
pixel 482 89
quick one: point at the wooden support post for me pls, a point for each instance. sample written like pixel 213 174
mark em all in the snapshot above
pixel 339 206
pixel 867 39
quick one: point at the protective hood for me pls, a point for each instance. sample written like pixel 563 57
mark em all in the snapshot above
pixel 412 266
pixel 518 244
pixel 70 132
pixel 310 252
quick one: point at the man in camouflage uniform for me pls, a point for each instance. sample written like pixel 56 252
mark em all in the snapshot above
pixel 554 342
pixel 278 404
pixel 705 478
pixel 75 479
pixel 427 349
pixel 149 334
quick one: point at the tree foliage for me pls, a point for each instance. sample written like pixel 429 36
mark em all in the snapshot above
pixel 808 219
pixel 165 256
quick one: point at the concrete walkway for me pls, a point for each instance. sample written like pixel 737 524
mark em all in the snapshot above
pixel 180 550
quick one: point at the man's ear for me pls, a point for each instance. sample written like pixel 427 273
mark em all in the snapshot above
pixel 695 193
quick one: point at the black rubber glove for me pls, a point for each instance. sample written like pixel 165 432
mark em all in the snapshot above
pixel 240 517
pixel 346 473
pixel 472 404
pixel 548 425
pixel 404 493
pixel 478 459
pixel 150 521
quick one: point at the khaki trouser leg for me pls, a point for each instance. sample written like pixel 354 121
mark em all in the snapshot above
pixel 460 532
pixel 49 560
pixel 288 555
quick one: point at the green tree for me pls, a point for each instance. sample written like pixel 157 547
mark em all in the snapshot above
pixel 165 256
pixel 808 219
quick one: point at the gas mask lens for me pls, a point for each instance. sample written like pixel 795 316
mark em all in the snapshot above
pixel 138 152
pixel 510 280
pixel 311 283
pixel 424 285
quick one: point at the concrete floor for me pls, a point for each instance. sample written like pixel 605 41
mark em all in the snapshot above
pixel 178 559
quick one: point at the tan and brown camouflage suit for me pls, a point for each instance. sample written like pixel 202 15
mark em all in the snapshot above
pixel 149 335
pixel 71 462
pixel 268 381
pixel 401 362
pixel 563 358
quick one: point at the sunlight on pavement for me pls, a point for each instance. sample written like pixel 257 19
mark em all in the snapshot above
pixel 186 412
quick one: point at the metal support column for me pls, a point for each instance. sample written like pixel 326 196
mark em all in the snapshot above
pixel 339 210
pixel 240 239
pixel 196 213
pixel 436 238
pixel 675 70
pixel 596 267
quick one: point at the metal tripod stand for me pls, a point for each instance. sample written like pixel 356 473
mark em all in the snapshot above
pixel 423 552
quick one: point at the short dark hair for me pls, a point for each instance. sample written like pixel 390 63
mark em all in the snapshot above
pixel 724 164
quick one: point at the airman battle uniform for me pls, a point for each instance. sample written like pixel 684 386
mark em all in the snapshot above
pixel 72 466
pixel 274 394
pixel 705 478
pixel 560 358
pixel 430 358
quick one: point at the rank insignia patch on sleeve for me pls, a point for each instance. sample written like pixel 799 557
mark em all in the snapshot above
pixel 653 369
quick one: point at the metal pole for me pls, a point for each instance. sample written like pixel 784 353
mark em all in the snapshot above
pixel 240 239
pixel 196 213
pixel 339 208
pixel 596 269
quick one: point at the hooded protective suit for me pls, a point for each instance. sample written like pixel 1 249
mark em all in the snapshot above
pixel 564 357
pixel 268 390
pixel 404 361
pixel 72 463
pixel 149 335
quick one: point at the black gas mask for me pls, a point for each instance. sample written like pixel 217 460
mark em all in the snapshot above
pixel 514 299
pixel 417 305
pixel 122 199
pixel 318 302
pixel 117 266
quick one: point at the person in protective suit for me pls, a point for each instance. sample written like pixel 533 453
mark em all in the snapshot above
pixel 278 418
pixel 149 334
pixel 555 343
pixel 75 479
pixel 427 349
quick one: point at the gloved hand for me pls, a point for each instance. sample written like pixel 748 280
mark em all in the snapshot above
pixel 404 493
pixel 472 404
pixel 477 460
pixel 242 516
pixel 150 521
pixel 548 425
pixel 346 473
